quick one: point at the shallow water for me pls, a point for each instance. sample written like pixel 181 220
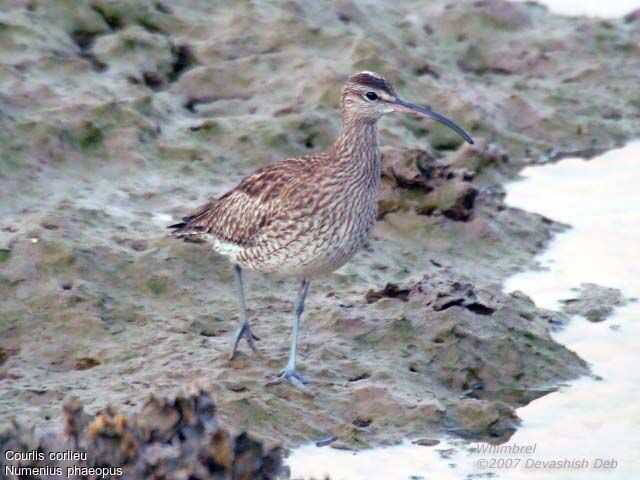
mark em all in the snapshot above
pixel 593 423
pixel 591 8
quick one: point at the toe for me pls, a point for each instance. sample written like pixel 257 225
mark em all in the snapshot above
pixel 297 382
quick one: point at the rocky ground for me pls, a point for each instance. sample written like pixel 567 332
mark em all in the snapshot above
pixel 172 438
pixel 117 117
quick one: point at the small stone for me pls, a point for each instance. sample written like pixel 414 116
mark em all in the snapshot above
pixel 426 442
pixel 391 290
pixel 339 445
pixel 49 225
pixel 235 387
pixel 139 245
pixel 85 363
pixel 207 327
pixel 594 302
pixel 326 440
pixel 362 422
pixel 446 452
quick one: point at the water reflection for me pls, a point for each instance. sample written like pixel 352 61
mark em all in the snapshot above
pixel 600 199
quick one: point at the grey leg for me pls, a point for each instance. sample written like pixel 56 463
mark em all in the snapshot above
pixel 289 373
pixel 244 331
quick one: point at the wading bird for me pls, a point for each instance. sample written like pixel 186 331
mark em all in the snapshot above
pixel 306 216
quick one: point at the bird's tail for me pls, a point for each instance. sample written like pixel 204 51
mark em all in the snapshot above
pixel 179 228
pixel 194 224
pixel 187 230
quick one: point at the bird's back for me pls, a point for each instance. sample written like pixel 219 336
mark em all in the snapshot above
pixel 242 213
pixel 295 217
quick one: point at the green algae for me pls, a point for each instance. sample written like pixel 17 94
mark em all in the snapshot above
pixel 54 257
pixel 5 254
pixel 157 285
pixel 90 138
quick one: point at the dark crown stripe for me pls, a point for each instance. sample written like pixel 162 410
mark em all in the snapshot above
pixel 373 82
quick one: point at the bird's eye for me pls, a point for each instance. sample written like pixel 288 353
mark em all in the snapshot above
pixel 373 96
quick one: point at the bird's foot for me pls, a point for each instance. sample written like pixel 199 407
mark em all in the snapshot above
pixel 244 332
pixel 293 377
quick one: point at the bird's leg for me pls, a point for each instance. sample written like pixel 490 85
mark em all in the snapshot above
pixel 244 331
pixel 289 373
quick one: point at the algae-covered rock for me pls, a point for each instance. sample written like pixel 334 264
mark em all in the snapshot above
pixel 152 16
pixel 455 200
pixel 594 302
pixel 137 54
pixel 176 437
pixel 417 179
pixel 479 156
pixel 481 418
pixel 480 342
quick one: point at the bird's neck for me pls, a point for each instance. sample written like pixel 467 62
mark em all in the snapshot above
pixel 356 150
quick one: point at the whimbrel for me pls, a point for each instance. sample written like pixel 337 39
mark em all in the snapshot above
pixel 306 216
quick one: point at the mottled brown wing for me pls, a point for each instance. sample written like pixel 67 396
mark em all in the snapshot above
pixel 239 215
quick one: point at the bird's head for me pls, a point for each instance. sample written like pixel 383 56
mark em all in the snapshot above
pixel 368 96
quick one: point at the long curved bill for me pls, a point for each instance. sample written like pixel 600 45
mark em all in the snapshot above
pixel 402 106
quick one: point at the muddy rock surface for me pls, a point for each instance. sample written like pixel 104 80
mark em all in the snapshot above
pixel 172 438
pixel 117 117
pixel 593 302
